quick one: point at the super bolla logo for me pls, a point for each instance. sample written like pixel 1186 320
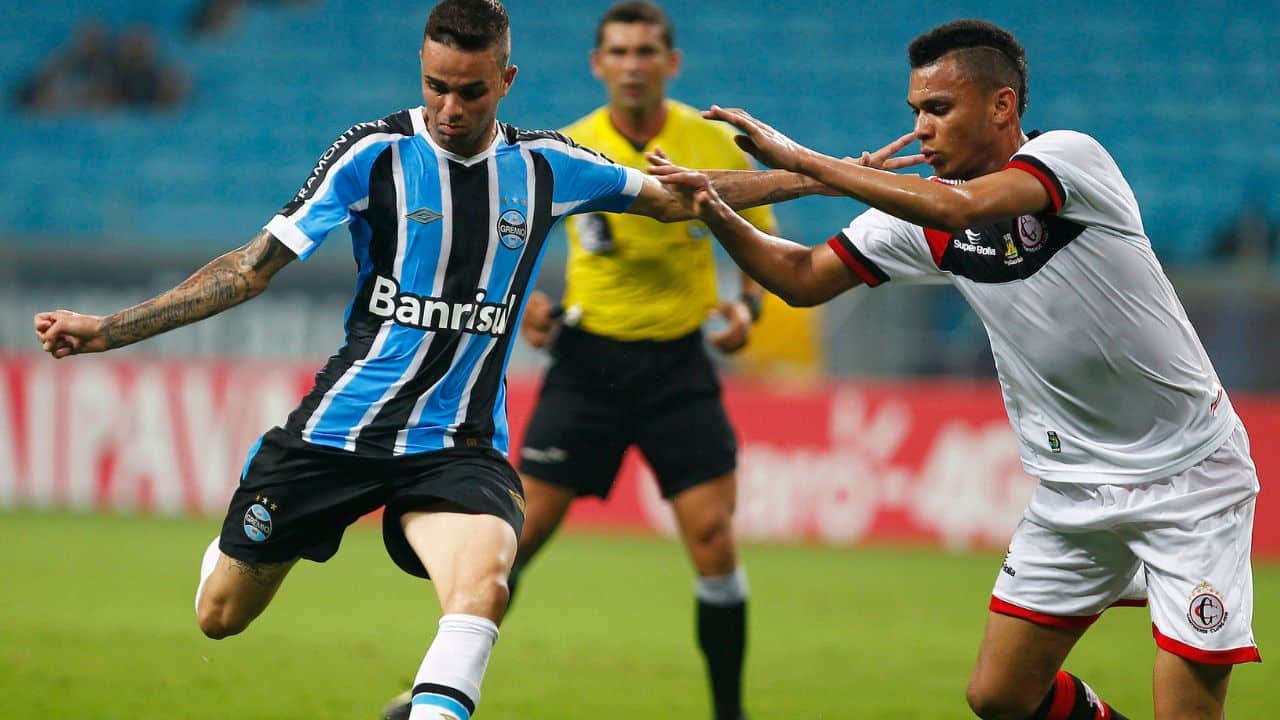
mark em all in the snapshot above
pixel 430 313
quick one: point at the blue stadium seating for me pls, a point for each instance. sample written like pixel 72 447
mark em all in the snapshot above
pixel 1181 93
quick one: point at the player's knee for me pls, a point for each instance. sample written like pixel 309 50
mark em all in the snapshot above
pixel 712 547
pixel 218 620
pixel 712 533
pixel 980 702
pixel 991 704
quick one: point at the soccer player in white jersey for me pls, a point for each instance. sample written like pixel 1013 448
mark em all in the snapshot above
pixel 1144 466
pixel 449 210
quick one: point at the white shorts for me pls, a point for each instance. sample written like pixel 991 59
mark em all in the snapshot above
pixel 1083 548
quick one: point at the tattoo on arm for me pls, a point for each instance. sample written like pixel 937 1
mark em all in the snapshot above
pixel 780 195
pixel 265 254
pixel 747 188
pixel 224 283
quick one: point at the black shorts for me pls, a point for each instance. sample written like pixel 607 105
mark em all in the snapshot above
pixel 296 499
pixel 601 395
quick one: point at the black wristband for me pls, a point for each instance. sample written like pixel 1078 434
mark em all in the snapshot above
pixel 754 305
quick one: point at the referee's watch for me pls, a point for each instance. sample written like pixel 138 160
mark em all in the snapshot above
pixel 754 305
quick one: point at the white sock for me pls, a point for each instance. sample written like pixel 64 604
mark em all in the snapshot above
pixel 728 589
pixel 207 564
pixel 448 682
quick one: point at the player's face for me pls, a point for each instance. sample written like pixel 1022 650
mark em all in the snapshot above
pixel 461 90
pixel 634 63
pixel 956 121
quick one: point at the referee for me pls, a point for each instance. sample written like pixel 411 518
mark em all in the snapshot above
pixel 629 364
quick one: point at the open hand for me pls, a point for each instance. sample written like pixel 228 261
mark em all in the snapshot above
pixel 62 333
pixel 759 139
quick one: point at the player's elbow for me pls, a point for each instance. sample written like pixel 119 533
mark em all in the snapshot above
pixel 796 297
pixel 256 284
pixel 803 285
pixel 801 294
pixel 806 298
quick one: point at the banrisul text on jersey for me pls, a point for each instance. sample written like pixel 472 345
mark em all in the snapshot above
pixel 429 313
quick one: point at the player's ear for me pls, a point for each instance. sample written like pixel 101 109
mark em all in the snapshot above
pixel 595 64
pixel 1004 106
pixel 673 64
pixel 508 77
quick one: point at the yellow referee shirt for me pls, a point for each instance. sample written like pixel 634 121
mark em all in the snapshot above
pixel 635 278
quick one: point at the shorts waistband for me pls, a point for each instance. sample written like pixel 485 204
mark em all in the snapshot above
pixel 578 334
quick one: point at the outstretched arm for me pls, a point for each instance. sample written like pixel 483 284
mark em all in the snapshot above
pixel 800 275
pixel 738 189
pixel 224 283
pixel 1003 194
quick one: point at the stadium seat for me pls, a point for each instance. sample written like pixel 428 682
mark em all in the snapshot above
pixel 1175 104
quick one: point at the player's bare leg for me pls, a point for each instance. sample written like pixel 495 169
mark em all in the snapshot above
pixel 545 506
pixel 468 557
pixel 704 514
pixel 1018 674
pixel 1016 665
pixel 233 592
pixel 1186 690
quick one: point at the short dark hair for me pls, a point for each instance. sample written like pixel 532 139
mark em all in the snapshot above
pixel 470 25
pixel 987 53
pixel 637 11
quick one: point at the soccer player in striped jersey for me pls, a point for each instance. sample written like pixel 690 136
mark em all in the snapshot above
pixel 629 366
pixel 448 211
pixel 1144 465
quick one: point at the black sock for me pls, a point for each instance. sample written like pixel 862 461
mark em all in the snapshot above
pixel 722 633
pixel 1071 699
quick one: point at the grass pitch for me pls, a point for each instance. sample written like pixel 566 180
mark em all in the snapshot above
pixel 96 621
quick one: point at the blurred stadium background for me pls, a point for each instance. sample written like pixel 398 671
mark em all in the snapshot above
pixel 874 422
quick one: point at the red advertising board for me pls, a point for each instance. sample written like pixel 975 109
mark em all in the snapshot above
pixel 838 463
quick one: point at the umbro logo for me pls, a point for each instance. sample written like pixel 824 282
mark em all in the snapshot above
pixel 426 216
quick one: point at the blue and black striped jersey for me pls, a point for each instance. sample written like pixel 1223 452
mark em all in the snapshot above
pixel 446 248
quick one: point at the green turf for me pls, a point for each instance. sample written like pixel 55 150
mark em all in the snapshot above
pixel 96 622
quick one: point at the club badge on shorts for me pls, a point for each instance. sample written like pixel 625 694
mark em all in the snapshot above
pixel 257 520
pixel 1206 612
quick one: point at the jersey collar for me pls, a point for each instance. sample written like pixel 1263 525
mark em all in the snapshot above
pixel 420 127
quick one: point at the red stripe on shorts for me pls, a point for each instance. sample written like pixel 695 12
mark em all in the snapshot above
pixel 1233 656
pixel 1064 622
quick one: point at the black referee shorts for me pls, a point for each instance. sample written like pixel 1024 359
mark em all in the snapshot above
pixel 296 499
pixel 601 395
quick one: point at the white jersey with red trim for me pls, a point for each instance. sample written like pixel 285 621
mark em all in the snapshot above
pixel 1104 379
